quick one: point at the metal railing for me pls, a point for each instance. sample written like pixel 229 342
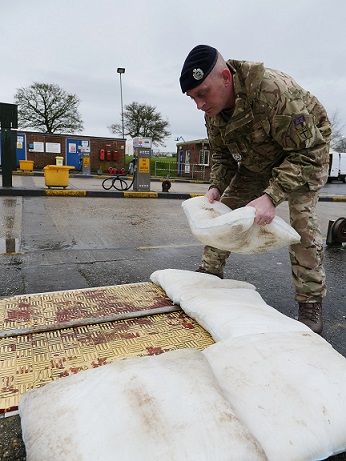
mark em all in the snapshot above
pixel 179 170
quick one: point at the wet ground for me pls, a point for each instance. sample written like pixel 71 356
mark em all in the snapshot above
pixel 66 243
pixel 12 447
pixel 61 243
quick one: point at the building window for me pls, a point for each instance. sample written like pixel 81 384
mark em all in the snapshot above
pixel 204 156
pixel 187 162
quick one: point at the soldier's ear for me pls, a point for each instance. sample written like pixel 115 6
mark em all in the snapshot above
pixel 227 76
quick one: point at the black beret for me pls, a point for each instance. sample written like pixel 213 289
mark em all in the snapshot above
pixel 197 66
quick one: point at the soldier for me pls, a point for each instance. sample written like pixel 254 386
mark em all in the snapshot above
pixel 270 141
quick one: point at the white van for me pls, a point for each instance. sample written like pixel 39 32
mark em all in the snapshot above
pixel 337 166
pixel 342 171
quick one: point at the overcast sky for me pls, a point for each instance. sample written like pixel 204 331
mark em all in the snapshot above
pixel 79 44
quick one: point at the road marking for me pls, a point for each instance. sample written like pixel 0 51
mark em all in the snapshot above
pixel 169 246
pixel 141 194
pixel 73 193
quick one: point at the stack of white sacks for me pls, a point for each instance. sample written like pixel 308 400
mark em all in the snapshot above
pixel 268 389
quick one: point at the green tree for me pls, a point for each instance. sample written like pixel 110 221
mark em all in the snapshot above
pixel 48 108
pixel 143 120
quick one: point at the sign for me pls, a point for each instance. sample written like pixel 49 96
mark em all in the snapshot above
pixel 53 147
pixel 142 142
pixel 72 148
pixel 20 140
pixel 38 147
pixel 144 165
pixel 86 146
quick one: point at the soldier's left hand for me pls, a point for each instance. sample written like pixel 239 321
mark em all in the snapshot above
pixel 265 210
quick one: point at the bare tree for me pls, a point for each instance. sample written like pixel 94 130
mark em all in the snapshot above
pixel 338 142
pixel 48 108
pixel 143 120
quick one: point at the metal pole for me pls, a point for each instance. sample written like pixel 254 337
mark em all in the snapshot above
pixel 122 107
pixel 88 321
pixel 121 70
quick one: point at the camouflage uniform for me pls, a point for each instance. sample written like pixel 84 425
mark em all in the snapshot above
pixel 274 141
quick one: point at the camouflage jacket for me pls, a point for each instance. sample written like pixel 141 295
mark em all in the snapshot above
pixel 277 129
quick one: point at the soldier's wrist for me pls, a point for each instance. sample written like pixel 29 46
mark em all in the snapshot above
pixel 212 186
pixel 272 199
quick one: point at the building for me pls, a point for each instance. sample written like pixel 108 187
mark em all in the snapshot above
pixel 43 148
pixel 194 159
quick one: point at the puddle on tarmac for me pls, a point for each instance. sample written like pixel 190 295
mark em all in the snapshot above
pixel 8 242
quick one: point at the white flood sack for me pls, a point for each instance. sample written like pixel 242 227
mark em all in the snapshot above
pixel 226 308
pixel 272 390
pixel 288 389
pixel 229 313
pixel 216 225
pixel 286 384
pixel 177 282
pixel 166 407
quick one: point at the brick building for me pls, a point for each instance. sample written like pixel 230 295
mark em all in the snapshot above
pixel 194 159
pixel 42 148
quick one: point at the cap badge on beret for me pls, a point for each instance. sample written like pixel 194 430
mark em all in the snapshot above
pixel 197 74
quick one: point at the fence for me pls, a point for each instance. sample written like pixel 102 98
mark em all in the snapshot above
pixel 176 170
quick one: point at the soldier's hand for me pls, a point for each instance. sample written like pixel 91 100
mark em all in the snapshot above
pixel 265 210
pixel 213 194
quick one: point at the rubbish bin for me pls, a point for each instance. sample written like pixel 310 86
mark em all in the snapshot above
pixel 26 165
pixel 56 175
pixel 59 161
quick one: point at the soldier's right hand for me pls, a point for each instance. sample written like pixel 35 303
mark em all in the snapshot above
pixel 213 194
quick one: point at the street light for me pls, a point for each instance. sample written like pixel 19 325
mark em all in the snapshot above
pixel 121 70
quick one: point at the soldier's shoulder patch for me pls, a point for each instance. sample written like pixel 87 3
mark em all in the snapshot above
pixel 299 120
pixel 303 129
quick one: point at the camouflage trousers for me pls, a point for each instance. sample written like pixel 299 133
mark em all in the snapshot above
pixel 306 257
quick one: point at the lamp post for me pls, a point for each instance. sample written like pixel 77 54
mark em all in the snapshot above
pixel 121 70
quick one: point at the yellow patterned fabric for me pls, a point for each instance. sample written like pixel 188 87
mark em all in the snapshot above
pixel 32 360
